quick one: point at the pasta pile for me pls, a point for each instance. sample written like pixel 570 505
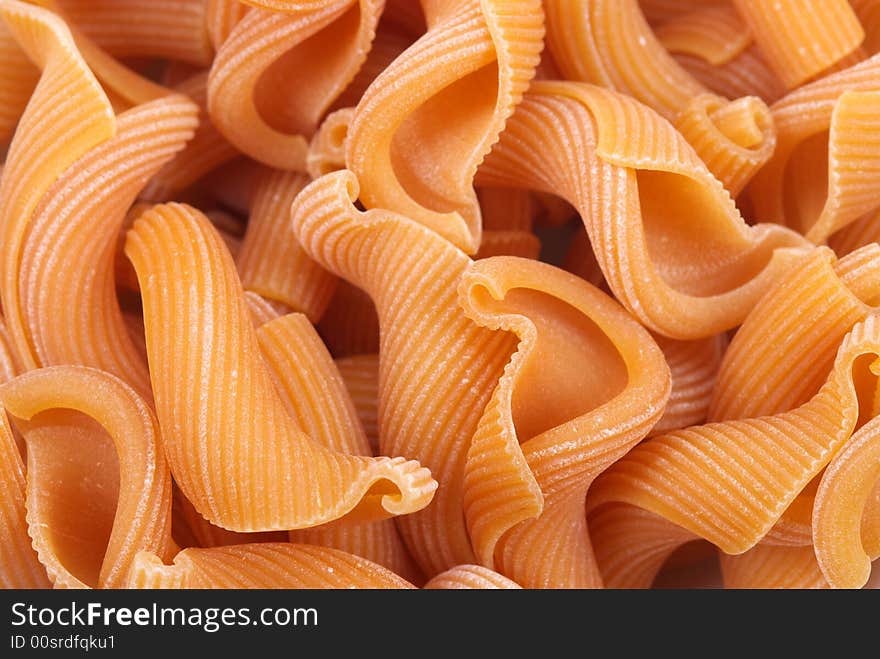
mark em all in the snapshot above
pixel 442 294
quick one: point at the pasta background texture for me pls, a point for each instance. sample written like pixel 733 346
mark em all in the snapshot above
pixel 442 294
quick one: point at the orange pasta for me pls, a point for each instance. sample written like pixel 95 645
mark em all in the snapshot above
pixel 601 278
pixel 139 516
pixel 638 219
pixel 255 101
pixel 426 345
pixel 206 150
pixel 767 566
pixel 361 376
pixel 187 524
pixel 68 115
pixel 539 445
pixel 241 484
pixel 19 564
pixel 475 60
pixel 165 28
pixel 69 303
pixel 801 39
pixel 315 396
pixel 271 262
pixel 467 577
pixel 752 469
pixel 265 565
pixel 824 170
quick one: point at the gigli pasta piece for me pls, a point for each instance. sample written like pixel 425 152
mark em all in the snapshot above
pixel 240 479
pixel 426 345
pixel 67 115
pixel 190 529
pixel 751 470
pixel 463 79
pixel 585 384
pixel 315 396
pixel 841 499
pixel 139 514
pixel 635 198
pixel 784 351
pixel 824 170
pixel 298 60
pixel 769 566
pixel 67 294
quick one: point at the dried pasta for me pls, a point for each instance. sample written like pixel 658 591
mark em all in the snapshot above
pixel 441 294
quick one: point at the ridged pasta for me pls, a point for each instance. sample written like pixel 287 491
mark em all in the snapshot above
pixel 714 45
pixel 427 344
pixel 749 470
pixel 617 317
pixel 801 40
pixel 585 385
pixel 16 84
pixel 327 149
pixel 271 262
pixel 264 565
pixel 140 514
pixel 847 486
pixel 470 577
pixel 565 137
pixel 19 565
pixel 66 286
pixel 862 232
pixel 715 33
pixel 67 115
pixel 661 11
pixel 733 139
pixel 825 132
pixel 464 78
pixel 609 43
pixel 694 366
pixel 279 71
pixel 207 149
pixel 174 29
pixel 188 524
pixel 361 376
pixel 395 33
pixel 316 398
pixel 221 16
pixel 768 566
pixel 745 75
pixel 239 479
pixel 784 351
